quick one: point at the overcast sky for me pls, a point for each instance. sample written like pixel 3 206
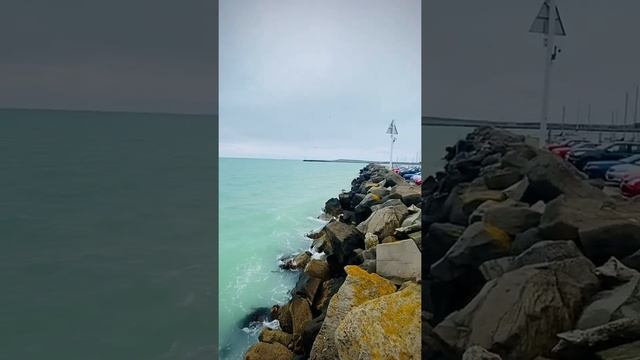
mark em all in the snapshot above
pixel 481 61
pixel 319 79
pixel 133 55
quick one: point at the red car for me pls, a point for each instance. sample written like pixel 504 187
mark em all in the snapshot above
pixel 567 144
pixel 631 186
pixel 563 151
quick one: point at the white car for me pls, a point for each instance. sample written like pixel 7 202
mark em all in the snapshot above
pixel 619 172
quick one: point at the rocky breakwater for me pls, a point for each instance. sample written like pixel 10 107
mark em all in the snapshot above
pixel 358 296
pixel 524 259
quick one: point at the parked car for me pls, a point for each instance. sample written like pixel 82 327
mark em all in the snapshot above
pixel 613 151
pixel 631 186
pixel 563 152
pixel 566 143
pixel 599 169
pixel 625 167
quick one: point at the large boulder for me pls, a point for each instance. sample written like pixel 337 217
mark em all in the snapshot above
pixel 518 314
pixel 409 194
pixel 388 327
pixel 325 292
pixel 479 353
pixel 583 344
pixel 512 219
pixel 296 262
pixel 541 252
pixel 307 286
pixel 275 336
pixel 398 260
pixel 300 314
pixel 525 240
pixel 439 239
pixel 479 242
pixel 479 213
pixel 502 178
pixel 268 351
pixel 358 288
pixel 471 198
pixel 318 269
pixel 550 176
pixel 344 238
pixel 620 301
pixel 333 207
pixel 516 191
pixel 384 222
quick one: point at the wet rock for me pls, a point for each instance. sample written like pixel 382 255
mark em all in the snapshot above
pixel 306 286
pixel 309 335
pixel 333 207
pixel 284 318
pixel 479 353
pixel 318 269
pixel 479 242
pixel 300 314
pixel 398 260
pixel 358 288
pixel 344 239
pixel 266 351
pixel 297 262
pixel 388 327
pixel 275 336
pixel 325 293
pixel 518 314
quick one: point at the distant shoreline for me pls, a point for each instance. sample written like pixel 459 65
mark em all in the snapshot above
pixel 364 161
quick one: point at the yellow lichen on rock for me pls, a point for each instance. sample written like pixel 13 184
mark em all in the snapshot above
pixel 358 288
pixel 385 328
pixel 499 237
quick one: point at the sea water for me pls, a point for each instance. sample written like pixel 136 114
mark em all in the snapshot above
pixel 266 208
pixel 107 236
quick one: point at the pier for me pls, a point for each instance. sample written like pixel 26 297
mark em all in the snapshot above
pixel 444 121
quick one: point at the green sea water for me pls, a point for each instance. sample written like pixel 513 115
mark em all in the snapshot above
pixel 107 236
pixel 266 208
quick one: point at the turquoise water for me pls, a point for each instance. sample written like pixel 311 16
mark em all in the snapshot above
pixel 107 229
pixel 266 207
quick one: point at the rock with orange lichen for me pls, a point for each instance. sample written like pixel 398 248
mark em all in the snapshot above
pixel 358 288
pixel 388 327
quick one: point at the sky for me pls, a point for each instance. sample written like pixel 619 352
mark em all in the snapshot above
pixel 115 55
pixel 302 79
pixel 480 61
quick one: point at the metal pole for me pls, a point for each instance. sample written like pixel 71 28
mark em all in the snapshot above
pixel 626 105
pixel 391 153
pixel 635 114
pixel 549 43
pixel 578 117
pixel 564 112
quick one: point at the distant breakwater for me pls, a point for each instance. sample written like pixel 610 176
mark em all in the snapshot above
pixel 359 288
pixel 525 259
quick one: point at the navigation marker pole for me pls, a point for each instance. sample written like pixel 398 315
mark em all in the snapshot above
pixel 393 132
pixel 550 29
